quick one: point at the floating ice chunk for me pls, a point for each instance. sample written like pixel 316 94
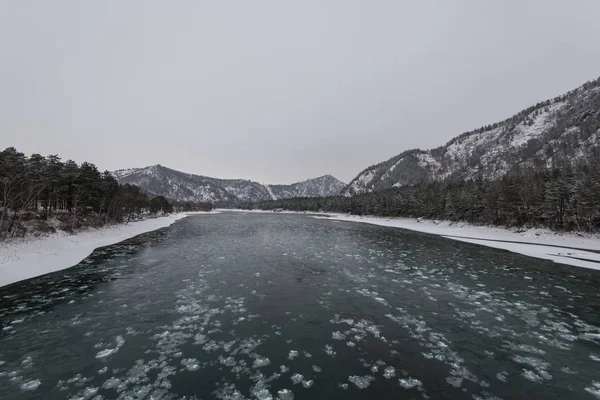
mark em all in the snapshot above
pixel 362 382
pixel 103 370
pixel 316 368
pixel 343 386
pixel 261 362
pixel 590 336
pixel 501 376
pixel 110 351
pixel 532 376
pixel 329 350
pixel 131 331
pixel 389 373
pixel 228 362
pixel 89 392
pixel 409 383
pixel 297 378
pixel 27 362
pixel 485 396
pixel 31 385
pixel 191 364
pixel 455 381
pixel 307 384
pixel 337 335
pixel 292 354
pixel 211 346
pixel 568 370
pixel 540 367
pixel 285 394
pixel 351 344
pixel 594 389
pixel 260 391
pixel 262 394
pixel 200 339
pixel 283 369
pixel 76 378
pixel 526 348
pixel 111 383
pixel 594 357
pixel 105 353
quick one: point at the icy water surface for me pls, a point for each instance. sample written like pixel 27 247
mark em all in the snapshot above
pixel 234 306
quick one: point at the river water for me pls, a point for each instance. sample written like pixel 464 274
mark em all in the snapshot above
pixel 235 306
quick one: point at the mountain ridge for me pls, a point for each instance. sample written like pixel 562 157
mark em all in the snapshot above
pixel 560 130
pixel 158 180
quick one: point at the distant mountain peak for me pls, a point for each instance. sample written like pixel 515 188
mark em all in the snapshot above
pixel 184 187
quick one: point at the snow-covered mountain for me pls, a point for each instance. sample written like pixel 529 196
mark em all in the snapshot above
pixel 180 186
pixel 562 130
pixel 322 186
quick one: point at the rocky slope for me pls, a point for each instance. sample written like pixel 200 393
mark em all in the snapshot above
pixel 563 130
pixel 182 187
pixel 322 186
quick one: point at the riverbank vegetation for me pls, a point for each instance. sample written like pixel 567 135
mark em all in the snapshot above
pixel 566 198
pixel 41 194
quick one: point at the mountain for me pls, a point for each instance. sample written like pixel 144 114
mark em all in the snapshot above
pixel 182 187
pixel 556 132
pixel 322 186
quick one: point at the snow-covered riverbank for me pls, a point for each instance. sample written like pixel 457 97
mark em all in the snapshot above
pixel 577 249
pixel 564 248
pixel 26 258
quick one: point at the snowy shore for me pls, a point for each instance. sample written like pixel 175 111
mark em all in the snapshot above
pixel 564 248
pixel 26 258
pixel 577 249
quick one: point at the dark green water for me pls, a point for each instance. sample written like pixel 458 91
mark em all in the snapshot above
pixel 237 306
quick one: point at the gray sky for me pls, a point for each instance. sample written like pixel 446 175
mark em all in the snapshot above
pixel 277 91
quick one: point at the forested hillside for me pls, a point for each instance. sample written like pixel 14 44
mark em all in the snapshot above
pixel 556 133
pixel 40 193
pixel 326 185
pixel 559 198
pixel 540 167
pixel 183 187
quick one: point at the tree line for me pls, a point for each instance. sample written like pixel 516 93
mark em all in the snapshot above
pixel 35 189
pixel 565 198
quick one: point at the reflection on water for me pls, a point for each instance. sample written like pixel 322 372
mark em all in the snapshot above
pixel 237 306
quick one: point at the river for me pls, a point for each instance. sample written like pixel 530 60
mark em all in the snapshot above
pixel 267 306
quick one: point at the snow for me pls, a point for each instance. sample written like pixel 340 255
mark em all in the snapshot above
pixel 563 248
pixel 270 191
pixel 392 168
pixel 361 182
pixel 426 160
pixel 30 257
pixel 122 173
pixel 541 123
pixel 181 186
pixel 361 382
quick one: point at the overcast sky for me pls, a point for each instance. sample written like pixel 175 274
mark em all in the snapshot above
pixel 277 91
